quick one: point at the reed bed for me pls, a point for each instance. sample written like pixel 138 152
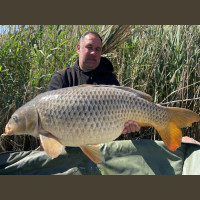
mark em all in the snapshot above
pixel 163 61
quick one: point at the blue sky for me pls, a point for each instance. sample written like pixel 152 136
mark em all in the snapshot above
pixel 3 27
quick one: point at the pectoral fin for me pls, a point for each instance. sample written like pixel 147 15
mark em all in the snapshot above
pixel 92 152
pixel 50 144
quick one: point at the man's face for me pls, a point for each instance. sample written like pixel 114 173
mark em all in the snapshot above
pixel 89 51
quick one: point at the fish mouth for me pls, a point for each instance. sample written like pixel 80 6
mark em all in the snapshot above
pixel 8 130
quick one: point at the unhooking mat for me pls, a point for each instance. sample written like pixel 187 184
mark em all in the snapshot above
pixel 125 157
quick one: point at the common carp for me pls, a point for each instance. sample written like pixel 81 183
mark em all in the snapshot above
pixel 85 116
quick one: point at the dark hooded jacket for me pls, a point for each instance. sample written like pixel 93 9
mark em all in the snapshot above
pixel 73 76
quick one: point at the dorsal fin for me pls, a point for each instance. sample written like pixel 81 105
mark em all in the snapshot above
pixel 134 91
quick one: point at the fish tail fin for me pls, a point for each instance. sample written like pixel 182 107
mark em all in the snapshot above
pixel 171 133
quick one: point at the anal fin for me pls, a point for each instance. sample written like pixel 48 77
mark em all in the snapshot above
pixel 51 144
pixel 92 152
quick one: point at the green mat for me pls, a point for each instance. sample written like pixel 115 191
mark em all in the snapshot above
pixel 126 157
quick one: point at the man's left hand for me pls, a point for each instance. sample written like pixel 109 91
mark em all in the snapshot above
pixel 130 126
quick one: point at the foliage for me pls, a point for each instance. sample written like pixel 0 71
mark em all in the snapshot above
pixel 160 60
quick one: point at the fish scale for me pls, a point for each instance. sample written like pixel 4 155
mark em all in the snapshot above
pixel 86 115
pixel 109 103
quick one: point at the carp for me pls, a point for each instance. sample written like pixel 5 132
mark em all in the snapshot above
pixel 87 115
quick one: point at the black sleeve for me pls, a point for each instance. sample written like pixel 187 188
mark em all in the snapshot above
pixel 56 82
pixel 115 81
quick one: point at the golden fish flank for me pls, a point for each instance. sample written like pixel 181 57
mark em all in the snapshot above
pixel 88 115
pixel 87 118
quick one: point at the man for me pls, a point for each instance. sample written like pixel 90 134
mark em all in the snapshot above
pixel 90 68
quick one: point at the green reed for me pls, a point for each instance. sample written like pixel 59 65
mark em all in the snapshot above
pixel 160 60
pixel 164 62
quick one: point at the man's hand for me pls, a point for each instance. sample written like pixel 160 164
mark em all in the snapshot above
pixel 130 126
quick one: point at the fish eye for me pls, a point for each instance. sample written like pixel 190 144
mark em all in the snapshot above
pixel 15 118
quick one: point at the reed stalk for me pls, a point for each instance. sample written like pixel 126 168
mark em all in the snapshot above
pixel 161 60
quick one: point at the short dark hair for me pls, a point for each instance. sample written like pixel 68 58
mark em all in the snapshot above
pixel 90 32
